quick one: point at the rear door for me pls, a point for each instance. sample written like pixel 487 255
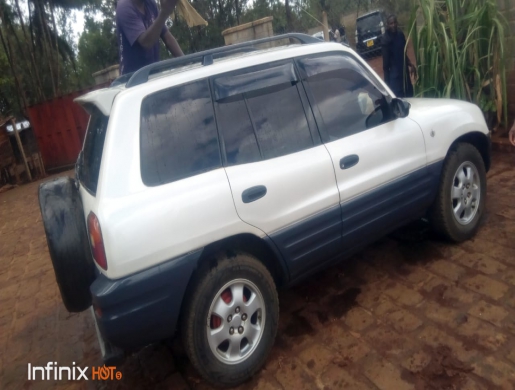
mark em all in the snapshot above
pixel 379 160
pixel 281 176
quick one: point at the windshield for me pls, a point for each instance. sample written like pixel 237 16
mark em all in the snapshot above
pixel 369 23
pixel 91 156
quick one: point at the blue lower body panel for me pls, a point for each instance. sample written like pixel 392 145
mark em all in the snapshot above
pixel 381 211
pixel 310 241
pixel 342 230
pixel 144 307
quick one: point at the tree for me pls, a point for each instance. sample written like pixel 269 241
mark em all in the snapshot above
pixel 41 58
pixel 98 49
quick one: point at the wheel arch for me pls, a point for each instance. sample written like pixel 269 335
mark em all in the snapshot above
pixel 480 141
pixel 262 248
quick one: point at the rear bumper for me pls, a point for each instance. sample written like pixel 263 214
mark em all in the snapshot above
pixel 144 307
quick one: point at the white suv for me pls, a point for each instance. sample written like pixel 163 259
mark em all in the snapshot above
pixel 206 182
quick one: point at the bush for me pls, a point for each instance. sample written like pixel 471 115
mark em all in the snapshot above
pixel 460 52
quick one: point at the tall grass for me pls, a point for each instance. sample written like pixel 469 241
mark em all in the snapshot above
pixel 460 52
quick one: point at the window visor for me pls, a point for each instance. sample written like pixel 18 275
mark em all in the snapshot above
pixel 228 86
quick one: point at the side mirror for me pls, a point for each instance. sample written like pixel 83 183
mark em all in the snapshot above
pixel 400 108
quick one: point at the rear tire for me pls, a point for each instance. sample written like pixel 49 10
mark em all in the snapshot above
pixel 457 211
pixel 228 347
pixel 68 243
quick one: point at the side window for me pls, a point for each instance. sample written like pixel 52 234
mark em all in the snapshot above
pixel 93 147
pixel 260 114
pixel 347 99
pixel 239 138
pixel 178 134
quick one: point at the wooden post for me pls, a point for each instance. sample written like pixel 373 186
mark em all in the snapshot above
pixel 20 146
pixel 326 26
pixel 41 165
pixel 17 176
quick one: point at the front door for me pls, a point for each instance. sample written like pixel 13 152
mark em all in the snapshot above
pixel 379 160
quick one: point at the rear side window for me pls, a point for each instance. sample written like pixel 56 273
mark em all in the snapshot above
pixel 178 134
pixel 92 151
pixel 241 145
pixel 279 121
pixel 261 115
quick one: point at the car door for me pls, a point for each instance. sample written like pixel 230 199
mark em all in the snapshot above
pixel 379 159
pixel 281 176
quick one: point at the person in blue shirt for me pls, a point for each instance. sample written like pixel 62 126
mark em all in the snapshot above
pixel 396 64
pixel 139 26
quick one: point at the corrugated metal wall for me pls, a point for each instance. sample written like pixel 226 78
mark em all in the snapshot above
pixel 60 126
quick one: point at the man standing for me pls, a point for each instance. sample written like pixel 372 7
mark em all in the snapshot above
pixel 140 25
pixel 396 64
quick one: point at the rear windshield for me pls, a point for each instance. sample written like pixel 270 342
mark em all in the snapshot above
pixel 369 23
pixel 92 152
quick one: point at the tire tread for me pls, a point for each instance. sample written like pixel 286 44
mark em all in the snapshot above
pixel 204 276
pixel 441 220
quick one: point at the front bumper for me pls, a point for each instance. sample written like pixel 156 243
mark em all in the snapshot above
pixel 142 308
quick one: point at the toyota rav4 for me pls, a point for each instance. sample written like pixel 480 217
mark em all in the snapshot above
pixel 207 182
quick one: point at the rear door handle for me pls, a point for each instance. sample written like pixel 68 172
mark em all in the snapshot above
pixel 253 193
pixel 349 161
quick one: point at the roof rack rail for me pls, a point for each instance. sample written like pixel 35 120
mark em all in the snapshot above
pixel 206 57
pixel 122 79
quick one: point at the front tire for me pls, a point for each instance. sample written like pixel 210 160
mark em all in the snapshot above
pixel 230 320
pixel 460 203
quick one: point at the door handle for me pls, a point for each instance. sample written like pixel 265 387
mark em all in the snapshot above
pixel 253 193
pixel 349 161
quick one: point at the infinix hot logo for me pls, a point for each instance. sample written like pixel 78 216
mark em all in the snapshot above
pixel 54 372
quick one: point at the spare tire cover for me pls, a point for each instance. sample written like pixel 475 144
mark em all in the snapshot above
pixel 68 243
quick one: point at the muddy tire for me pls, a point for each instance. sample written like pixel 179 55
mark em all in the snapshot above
pixel 67 239
pixel 230 319
pixel 460 204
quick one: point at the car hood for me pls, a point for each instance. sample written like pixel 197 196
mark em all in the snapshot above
pixel 443 121
pixel 427 111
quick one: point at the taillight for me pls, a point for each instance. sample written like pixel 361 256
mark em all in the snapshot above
pixel 96 241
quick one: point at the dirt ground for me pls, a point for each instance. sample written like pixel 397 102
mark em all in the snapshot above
pixel 406 313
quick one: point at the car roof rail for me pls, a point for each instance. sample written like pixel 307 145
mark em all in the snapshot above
pixel 121 80
pixel 206 57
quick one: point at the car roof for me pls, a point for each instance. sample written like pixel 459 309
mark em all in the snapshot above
pixel 103 98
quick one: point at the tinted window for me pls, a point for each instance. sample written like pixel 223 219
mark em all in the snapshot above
pixel 280 122
pixel 263 123
pixel 369 23
pixel 347 99
pixel 239 138
pixel 93 146
pixel 178 134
